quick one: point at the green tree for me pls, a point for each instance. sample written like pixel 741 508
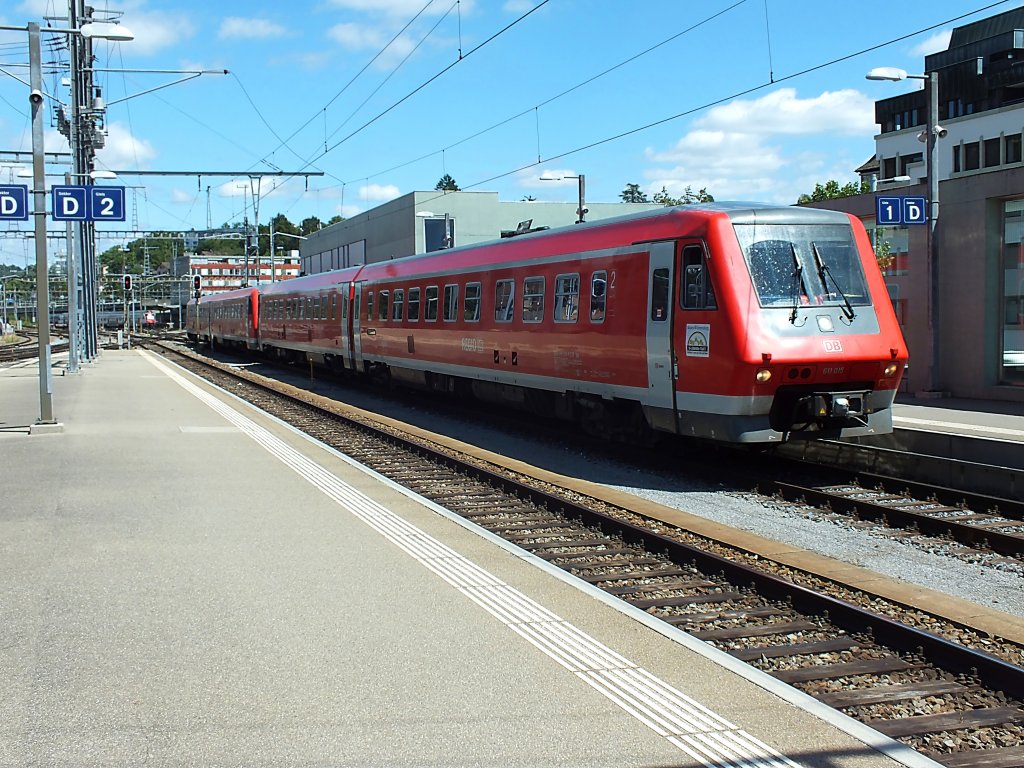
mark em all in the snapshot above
pixel 310 225
pixel 336 219
pixel 831 190
pixel 447 184
pixel 632 194
pixel 688 197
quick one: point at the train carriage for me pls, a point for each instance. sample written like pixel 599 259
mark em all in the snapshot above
pixel 229 318
pixel 306 318
pixel 732 322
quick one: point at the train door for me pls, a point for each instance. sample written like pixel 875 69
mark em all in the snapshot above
pixel 660 358
pixel 695 320
pixel 355 326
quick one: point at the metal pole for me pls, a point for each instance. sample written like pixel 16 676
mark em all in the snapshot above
pixel 581 211
pixel 39 211
pixel 72 296
pixel 933 220
pixel 271 250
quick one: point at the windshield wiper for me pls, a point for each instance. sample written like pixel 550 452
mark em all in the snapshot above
pixel 798 283
pixel 824 271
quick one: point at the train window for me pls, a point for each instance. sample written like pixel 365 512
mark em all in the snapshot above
pixel 659 295
pixel 430 313
pixel 504 304
pixel 398 304
pixel 598 296
pixel 567 298
pixel 383 304
pixel 369 305
pixel 451 303
pixel 533 299
pixel 471 311
pixel 414 305
pixel 334 306
pixel 697 292
pixel 795 264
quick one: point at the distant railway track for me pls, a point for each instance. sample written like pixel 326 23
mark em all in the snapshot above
pixel 914 677
pixel 27 349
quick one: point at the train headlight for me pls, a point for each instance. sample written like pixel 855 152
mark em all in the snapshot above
pixel 763 376
pixel 890 370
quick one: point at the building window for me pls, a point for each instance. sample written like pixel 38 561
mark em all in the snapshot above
pixel 1013 148
pixel 972 156
pixel 908 160
pixel 1012 299
pixel 956 158
pixel 889 168
pixel 991 153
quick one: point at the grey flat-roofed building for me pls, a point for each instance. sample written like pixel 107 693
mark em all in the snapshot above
pixel 417 222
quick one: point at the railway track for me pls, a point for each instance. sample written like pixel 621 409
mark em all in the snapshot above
pixel 948 699
pixel 976 520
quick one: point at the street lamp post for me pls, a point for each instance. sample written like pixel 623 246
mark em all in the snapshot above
pixel 581 211
pixel 931 136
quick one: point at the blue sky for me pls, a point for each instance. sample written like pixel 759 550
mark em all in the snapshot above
pixel 657 93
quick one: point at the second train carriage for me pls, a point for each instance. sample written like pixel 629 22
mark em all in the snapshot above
pixel 229 318
pixel 732 322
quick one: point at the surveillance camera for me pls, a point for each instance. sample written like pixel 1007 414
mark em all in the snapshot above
pixel 36 97
pixel 940 131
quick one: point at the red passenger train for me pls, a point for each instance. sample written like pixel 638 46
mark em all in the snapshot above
pixel 739 323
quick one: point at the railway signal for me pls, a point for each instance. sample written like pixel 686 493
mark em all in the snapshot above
pixel 197 285
pixel 127 283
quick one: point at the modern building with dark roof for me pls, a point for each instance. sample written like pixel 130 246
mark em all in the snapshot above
pixel 979 229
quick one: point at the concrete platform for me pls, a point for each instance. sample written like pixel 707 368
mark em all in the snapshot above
pixel 189 582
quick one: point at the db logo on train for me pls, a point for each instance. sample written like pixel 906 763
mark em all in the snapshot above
pixel 833 345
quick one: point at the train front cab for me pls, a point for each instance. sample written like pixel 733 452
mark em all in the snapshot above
pixel 771 326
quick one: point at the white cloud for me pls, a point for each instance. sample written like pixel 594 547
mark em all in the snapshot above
pixel 238 28
pixel 361 37
pixel 122 150
pixel 770 149
pixel 182 197
pixel 937 42
pixel 848 112
pixel 378 192
pixel 155 31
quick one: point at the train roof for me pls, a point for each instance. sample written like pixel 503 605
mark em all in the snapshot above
pixel 657 224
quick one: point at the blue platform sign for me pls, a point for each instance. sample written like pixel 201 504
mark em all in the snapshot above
pixel 69 203
pixel 899 209
pixel 73 203
pixel 888 211
pixel 13 202
pixel 107 204
pixel 914 210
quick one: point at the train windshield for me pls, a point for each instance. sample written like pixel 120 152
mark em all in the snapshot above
pixel 798 264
